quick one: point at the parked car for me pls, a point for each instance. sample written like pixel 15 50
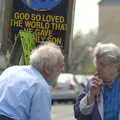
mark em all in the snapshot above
pixel 67 87
pixel 82 80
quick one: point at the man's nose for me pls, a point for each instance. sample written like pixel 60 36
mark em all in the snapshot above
pixel 62 69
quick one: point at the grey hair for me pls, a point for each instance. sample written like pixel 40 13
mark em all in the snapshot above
pixel 108 51
pixel 48 53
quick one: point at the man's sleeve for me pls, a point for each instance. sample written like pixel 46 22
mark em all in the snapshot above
pixel 41 105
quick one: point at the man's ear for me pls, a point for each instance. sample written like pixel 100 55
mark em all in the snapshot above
pixel 46 69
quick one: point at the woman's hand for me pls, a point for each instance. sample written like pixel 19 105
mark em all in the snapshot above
pixel 94 90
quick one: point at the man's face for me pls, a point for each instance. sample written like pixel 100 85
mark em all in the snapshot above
pixel 57 69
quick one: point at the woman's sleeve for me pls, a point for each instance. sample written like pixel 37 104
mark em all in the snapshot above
pixel 77 113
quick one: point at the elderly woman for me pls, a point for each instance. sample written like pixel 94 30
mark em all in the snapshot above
pixel 101 97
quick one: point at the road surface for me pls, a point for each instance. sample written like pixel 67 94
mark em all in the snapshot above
pixel 62 111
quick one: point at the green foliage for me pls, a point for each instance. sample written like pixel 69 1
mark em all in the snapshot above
pixel 89 69
pixel 28 43
pixel 82 50
pixel 28 2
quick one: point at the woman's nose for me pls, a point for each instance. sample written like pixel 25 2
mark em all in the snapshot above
pixel 98 68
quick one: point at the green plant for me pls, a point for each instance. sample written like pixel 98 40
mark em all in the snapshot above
pixel 28 43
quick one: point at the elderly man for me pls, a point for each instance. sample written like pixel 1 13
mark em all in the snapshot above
pixel 24 92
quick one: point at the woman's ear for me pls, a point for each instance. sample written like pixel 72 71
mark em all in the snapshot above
pixel 119 68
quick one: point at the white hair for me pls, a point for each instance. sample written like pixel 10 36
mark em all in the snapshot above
pixel 108 51
pixel 45 54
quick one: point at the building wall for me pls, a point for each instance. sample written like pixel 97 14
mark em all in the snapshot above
pixel 109 22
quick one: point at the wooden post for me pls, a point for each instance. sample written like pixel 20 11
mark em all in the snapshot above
pixel 7 12
pixel 69 34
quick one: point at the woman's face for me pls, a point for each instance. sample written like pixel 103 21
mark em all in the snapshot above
pixel 107 72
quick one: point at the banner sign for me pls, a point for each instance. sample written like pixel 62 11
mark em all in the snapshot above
pixel 47 19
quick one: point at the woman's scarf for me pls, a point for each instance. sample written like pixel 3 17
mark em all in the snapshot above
pixel 111 96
